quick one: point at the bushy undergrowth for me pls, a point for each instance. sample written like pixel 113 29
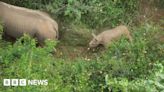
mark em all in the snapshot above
pixel 97 13
pixel 151 84
pixel 125 67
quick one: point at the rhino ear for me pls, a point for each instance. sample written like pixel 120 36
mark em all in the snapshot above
pixel 94 36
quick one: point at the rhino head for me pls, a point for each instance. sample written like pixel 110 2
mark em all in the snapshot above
pixel 94 42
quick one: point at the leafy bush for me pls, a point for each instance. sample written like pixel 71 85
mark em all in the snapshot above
pixel 152 84
pixel 24 60
pixel 25 48
pixel 95 13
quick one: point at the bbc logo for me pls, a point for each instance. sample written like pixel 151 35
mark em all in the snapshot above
pixel 14 82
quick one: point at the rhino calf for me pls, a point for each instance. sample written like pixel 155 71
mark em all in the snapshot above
pixel 105 38
pixel 18 21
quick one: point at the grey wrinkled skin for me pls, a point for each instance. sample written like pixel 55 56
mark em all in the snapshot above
pixel 105 38
pixel 18 21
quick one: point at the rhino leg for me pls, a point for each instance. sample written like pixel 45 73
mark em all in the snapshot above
pixel 129 37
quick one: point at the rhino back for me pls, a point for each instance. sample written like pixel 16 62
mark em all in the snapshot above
pixel 113 34
pixel 54 23
pixel 16 21
pixel 16 24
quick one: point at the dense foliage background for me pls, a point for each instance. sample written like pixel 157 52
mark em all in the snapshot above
pixel 70 67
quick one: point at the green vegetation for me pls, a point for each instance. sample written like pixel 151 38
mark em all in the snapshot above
pixel 136 66
pixel 98 13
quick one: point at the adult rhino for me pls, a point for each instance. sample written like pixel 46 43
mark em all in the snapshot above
pixel 19 20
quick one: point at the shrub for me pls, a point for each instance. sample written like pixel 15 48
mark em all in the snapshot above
pixel 24 48
pixel 95 13
pixel 24 60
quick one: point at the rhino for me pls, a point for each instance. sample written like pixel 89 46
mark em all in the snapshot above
pixel 19 20
pixel 106 37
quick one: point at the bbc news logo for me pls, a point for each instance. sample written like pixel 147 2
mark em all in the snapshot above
pixel 23 82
